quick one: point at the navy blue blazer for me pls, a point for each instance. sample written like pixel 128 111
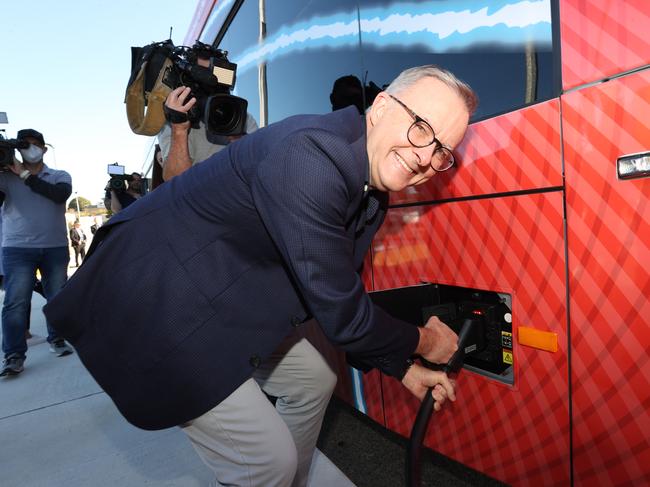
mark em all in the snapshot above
pixel 187 290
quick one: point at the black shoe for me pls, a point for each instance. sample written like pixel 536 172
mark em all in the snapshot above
pixel 61 348
pixel 12 365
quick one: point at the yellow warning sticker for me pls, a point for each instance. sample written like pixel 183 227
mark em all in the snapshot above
pixel 507 357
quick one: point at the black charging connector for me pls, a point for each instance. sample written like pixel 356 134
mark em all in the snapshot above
pixel 471 340
pixel 414 449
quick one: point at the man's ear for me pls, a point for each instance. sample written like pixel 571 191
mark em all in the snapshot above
pixel 44 149
pixel 378 107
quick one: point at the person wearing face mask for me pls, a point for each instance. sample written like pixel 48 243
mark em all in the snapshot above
pixel 34 238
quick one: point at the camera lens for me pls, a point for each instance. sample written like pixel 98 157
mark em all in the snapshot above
pixel 117 184
pixel 226 115
pixel 223 117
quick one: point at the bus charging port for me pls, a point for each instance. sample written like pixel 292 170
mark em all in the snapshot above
pixel 489 348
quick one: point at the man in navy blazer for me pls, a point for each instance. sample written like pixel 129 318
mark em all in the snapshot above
pixel 186 305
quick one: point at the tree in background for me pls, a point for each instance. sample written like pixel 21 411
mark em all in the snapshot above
pixel 83 203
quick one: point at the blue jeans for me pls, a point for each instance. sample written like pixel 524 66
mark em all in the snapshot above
pixel 20 265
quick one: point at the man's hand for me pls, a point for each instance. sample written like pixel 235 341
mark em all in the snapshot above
pixel 419 379
pixel 177 100
pixel 438 342
pixel 17 167
pixel 178 157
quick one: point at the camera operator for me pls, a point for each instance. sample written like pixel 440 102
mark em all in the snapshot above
pixel 181 145
pixel 120 199
pixel 34 238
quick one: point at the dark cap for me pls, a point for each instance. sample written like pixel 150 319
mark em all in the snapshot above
pixel 24 133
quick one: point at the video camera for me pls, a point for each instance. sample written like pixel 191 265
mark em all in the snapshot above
pixel 160 67
pixel 118 179
pixel 221 112
pixel 8 148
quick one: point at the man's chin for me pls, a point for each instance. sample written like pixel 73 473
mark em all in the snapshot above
pixel 396 188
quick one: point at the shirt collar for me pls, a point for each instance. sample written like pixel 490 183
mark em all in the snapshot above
pixel 361 154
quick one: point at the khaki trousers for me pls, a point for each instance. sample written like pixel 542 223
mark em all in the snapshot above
pixel 247 441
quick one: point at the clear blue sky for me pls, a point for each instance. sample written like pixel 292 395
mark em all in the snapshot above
pixel 64 66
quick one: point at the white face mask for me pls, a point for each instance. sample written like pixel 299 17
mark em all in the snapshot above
pixel 32 154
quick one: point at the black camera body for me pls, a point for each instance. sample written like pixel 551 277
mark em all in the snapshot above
pixel 117 182
pixel 118 179
pixel 222 113
pixel 8 150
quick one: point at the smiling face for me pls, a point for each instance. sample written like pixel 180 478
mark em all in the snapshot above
pixel 394 162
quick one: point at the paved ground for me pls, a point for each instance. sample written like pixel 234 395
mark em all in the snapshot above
pixel 57 428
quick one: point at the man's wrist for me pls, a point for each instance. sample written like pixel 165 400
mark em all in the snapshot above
pixel 424 343
pixel 174 117
pixel 409 363
pixel 180 129
pixel 24 174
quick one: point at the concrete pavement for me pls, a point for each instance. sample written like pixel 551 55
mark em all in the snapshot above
pixel 58 428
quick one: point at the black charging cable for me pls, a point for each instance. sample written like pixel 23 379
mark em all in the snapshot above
pixel 414 449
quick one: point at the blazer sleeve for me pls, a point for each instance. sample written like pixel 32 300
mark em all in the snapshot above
pixel 302 193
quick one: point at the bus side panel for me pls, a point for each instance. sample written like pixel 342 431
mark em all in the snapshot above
pixel 601 38
pixel 609 278
pixel 514 152
pixel 518 434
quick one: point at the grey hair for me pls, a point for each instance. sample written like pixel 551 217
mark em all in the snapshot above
pixel 410 76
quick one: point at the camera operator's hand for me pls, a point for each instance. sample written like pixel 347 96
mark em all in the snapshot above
pixel 178 101
pixel 17 167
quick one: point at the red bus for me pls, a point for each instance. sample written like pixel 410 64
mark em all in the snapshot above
pixel 542 232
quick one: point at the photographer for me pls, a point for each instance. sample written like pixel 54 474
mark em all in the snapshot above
pixel 122 198
pixel 34 238
pixel 181 145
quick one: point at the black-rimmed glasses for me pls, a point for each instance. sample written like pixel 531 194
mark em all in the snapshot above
pixel 420 134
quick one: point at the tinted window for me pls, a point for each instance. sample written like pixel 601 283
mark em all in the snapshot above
pixel 242 34
pixel 215 20
pixel 502 48
pixel 302 58
pixel 484 43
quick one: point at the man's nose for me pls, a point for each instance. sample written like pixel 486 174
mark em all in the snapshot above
pixel 424 155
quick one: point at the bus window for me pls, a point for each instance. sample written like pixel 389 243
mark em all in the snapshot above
pixel 502 49
pixel 309 46
pixel 216 20
pixel 241 36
